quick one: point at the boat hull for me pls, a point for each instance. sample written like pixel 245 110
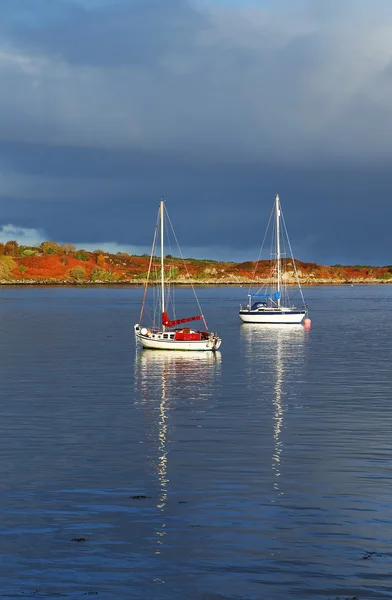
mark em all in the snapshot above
pixel 278 317
pixel 157 342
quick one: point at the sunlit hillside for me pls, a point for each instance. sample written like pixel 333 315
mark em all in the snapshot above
pixel 65 264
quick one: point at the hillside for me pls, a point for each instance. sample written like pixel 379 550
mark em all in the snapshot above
pixel 51 263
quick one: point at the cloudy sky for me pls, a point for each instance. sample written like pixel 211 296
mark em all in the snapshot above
pixel 106 105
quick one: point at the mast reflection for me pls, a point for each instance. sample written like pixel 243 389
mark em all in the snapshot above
pixel 275 355
pixel 163 380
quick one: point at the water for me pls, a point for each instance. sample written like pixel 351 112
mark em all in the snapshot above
pixel 261 472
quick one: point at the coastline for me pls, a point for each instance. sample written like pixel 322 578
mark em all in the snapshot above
pixel 195 282
pixel 52 265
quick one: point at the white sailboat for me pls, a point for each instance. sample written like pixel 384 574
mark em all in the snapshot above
pixel 272 303
pixel 167 335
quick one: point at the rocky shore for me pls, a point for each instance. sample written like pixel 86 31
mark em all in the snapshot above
pixel 51 264
pixel 235 281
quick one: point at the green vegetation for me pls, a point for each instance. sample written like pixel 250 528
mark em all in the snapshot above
pixel 81 255
pixel 98 274
pixel 77 273
pixel 173 273
pixel 28 250
pixel 360 267
pixel 200 261
pixel 7 265
pixel 50 248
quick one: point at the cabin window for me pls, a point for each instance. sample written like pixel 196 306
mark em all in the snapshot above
pixel 172 336
pixel 165 336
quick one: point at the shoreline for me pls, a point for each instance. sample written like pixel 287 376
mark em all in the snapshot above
pixel 196 283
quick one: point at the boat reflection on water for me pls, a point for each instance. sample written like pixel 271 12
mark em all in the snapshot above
pixel 275 356
pixel 163 381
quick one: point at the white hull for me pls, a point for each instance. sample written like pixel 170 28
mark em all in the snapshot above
pixel 273 317
pixel 158 343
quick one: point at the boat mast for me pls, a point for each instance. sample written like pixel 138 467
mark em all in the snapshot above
pixel 277 210
pixel 162 260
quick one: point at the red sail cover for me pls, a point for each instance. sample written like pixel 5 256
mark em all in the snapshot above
pixel 167 323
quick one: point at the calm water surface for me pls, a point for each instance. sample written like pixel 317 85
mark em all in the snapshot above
pixel 261 472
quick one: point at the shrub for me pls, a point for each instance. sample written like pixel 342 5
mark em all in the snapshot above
pixel 28 250
pixel 49 247
pixel 22 269
pixel 81 255
pixel 6 267
pixel 11 248
pixel 68 248
pixel 77 273
pixel 173 272
pixel 100 259
pixel 98 274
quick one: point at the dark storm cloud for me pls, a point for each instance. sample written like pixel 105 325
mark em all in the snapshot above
pixel 332 212
pixel 104 109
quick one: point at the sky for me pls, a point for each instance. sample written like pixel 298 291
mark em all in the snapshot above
pixel 217 105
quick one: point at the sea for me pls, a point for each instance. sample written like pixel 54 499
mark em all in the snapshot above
pixel 260 472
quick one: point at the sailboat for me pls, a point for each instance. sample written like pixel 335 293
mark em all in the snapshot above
pixel 272 303
pixel 168 335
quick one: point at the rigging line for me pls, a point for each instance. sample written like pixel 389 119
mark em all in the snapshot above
pixel 186 269
pixel 260 251
pixel 149 269
pixel 156 291
pixel 170 286
pixel 292 258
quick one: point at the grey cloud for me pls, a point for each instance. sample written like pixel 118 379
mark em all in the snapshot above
pixel 214 85
pixel 133 32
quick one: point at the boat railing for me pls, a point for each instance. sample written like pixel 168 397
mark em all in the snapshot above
pixel 150 329
pixel 244 306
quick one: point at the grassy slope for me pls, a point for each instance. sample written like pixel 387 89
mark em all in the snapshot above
pixel 116 268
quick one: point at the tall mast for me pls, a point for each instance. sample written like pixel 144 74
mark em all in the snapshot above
pixel 162 203
pixel 277 210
